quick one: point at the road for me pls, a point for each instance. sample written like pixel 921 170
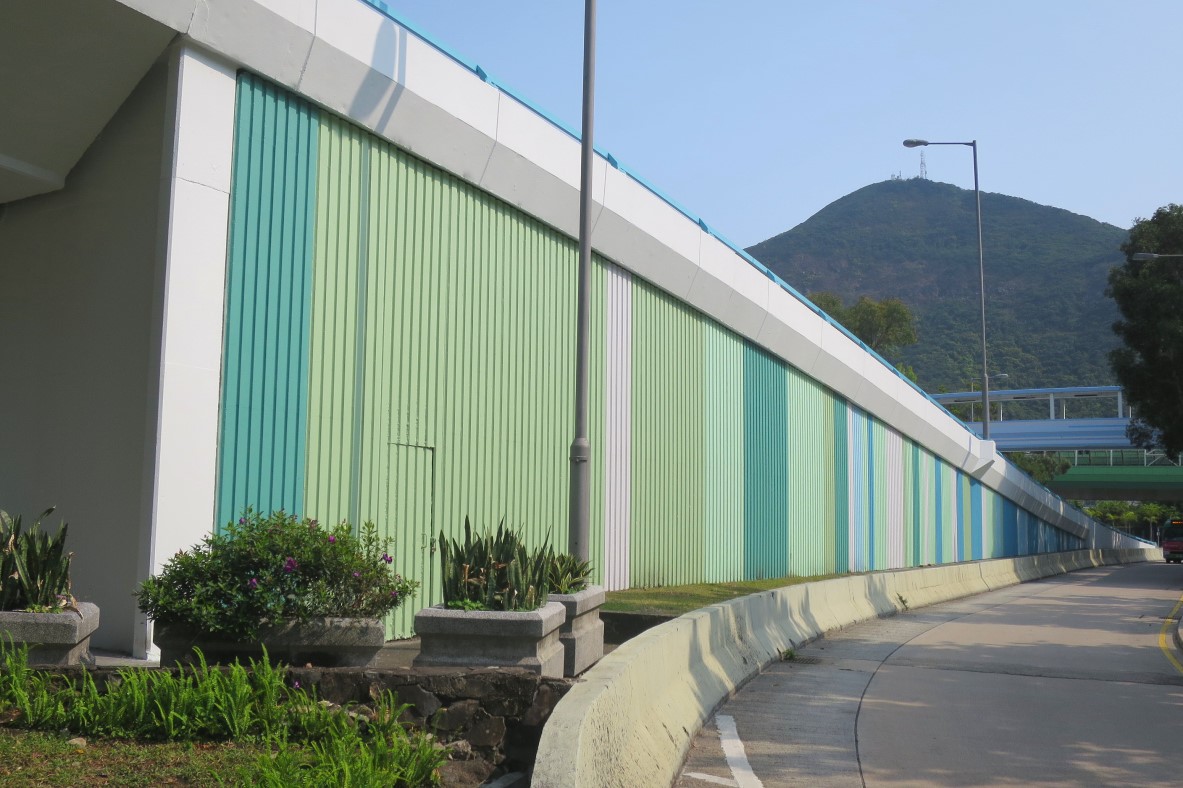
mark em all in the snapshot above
pixel 1065 681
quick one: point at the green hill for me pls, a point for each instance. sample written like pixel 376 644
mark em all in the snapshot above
pixel 1047 317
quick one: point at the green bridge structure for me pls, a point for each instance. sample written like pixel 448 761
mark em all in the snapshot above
pixel 1104 464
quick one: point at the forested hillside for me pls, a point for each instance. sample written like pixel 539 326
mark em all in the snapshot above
pixel 1048 319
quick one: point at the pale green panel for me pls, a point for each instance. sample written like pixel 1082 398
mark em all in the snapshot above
pixel 333 346
pixel 410 484
pixel 910 501
pixel 949 531
pixel 483 341
pixel 723 431
pixel 882 495
pixel 811 478
pixel 666 546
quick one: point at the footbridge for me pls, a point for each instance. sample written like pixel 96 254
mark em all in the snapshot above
pixel 1105 465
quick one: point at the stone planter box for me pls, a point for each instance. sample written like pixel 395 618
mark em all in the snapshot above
pixel 492 638
pixel 327 642
pixel 582 634
pixel 53 638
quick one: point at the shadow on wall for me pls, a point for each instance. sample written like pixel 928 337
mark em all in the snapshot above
pixel 377 93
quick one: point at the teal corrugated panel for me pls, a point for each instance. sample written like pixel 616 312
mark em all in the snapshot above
pixel 723 419
pixel 265 359
pixel 667 538
pixel 765 466
pixel 841 466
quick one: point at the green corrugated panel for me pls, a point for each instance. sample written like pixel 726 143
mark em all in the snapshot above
pixel 949 518
pixel 967 520
pixel 766 482
pixel 264 363
pixel 724 454
pixel 443 330
pixel 810 430
pixel 343 171
pixel 666 543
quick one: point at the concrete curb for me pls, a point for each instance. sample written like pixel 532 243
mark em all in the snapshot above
pixel 632 718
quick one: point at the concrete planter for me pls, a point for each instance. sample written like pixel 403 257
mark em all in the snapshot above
pixel 582 634
pixel 326 642
pixel 492 638
pixel 53 638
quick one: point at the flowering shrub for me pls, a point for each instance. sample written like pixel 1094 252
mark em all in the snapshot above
pixel 275 570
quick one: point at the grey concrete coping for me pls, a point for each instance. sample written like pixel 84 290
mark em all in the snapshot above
pixel 53 638
pixel 580 602
pixel 439 620
pixel 631 718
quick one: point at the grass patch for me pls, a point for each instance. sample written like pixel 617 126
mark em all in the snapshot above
pixel 199 725
pixel 39 758
pixel 676 600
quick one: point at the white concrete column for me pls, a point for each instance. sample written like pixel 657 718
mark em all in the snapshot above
pixel 196 192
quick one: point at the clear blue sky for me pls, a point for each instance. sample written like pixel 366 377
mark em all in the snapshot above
pixel 756 114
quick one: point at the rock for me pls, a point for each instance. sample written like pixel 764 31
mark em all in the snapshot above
pixel 489 732
pixel 465 774
pixel 456 716
pixel 77 742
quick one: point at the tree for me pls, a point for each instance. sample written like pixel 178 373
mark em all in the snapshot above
pixel 1149 364
pixel 885 326
pixel 1043 468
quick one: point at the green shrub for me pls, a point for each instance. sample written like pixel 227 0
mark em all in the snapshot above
pixel 275 570
pixel 493 571
pixel 568 574
pixel 34 566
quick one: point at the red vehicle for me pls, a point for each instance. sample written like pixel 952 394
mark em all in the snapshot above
pixel 1171 541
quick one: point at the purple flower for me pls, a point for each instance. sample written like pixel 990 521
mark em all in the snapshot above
pixel 394 594
pixel 332 539
pixel 357 574
pixel 295 685
pixel 387 558
pixel 242 521
pixel 253 583
pixel 290 565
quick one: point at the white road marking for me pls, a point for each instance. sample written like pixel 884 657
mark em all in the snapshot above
pixel 709 778
pixel 733 750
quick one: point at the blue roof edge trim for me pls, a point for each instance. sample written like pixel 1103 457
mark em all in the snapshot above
pixel 382 8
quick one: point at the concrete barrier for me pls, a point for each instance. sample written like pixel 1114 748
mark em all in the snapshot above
pixel 631 719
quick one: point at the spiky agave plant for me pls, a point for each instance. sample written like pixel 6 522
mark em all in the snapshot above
pixel 493 570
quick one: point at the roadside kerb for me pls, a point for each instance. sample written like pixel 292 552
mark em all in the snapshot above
pixel 631 719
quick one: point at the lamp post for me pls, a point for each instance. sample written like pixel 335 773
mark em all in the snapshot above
pixel 579 514
pixel 981 277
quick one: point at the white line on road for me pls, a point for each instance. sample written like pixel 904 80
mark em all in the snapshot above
pixel 710 778
pixel 733 750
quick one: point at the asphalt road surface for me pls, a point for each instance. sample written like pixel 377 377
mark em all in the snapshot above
pixel 1074 680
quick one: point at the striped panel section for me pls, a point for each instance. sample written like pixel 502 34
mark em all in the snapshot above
pixel 978 521
pixel 765 466
pixel 265 358
pixel 667 450
pixel 723 483
pixel 618 387
pixel 810 472
pixel 597 424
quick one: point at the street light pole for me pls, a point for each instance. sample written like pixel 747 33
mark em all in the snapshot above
pixel 579 515
pixel 981 277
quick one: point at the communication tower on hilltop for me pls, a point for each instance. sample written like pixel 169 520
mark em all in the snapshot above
pixel 923 167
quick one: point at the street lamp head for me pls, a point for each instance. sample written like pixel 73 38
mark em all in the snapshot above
pixel 1144 256
pixel 915 143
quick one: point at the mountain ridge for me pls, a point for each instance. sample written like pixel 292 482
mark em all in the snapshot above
pixel 1048 319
